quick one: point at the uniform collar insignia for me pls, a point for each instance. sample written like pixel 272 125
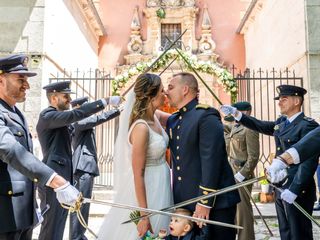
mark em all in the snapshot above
pixel 189 106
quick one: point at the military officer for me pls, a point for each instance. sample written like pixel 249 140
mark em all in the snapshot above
pixel 199 158
pixel 243 157
pixel 84 160
pixel 302 150
pixel 300 185
pixel 20 170
pixel 53 130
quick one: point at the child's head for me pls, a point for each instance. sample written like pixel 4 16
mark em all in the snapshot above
pixel 180 226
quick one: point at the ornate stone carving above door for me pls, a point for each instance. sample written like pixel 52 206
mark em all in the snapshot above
pixel 170 3
pixel 180 15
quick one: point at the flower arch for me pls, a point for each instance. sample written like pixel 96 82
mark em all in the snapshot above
pixel 223 76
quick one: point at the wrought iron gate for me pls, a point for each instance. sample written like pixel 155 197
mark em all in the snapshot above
pixel 96 84
pixel 259 88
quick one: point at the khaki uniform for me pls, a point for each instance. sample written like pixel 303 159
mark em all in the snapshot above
pixel 244 156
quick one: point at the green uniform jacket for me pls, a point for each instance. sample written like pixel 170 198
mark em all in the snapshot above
pixel 243 150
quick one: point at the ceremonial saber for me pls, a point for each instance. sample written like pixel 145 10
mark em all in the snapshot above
pixel 258 210
pixel 130 207
pixel 196 73
pixel 301 209
pixel 158 58
pixel 203 197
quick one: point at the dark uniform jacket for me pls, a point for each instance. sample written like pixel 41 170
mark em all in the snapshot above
pixel 84 157
pixel 300 176
pixel 17 168
pixel 199 157
pixel 309 145
pixel 53 130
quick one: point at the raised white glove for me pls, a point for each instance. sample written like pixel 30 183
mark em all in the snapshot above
pixel 228 110
pixel 276 176
pixel 288 196
pixel 114 100
pixel 67 194
pixel 239 177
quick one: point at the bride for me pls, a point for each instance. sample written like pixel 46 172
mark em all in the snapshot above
pixel 142 176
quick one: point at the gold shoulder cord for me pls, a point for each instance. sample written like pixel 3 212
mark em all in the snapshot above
pixel 76 208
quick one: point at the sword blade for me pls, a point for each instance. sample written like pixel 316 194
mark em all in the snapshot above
pixel 130 207
pixel 158 58
pixel 258 210
pixel 301 209
pixel 196 73
pixel 203 197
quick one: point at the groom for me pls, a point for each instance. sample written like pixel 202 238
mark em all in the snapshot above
pixel 199 157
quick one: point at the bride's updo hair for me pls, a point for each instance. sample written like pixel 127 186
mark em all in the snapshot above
pixel 146 87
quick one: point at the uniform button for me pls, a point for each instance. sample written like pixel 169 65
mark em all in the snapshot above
pixel 288 140
pixel 35 180
pixel 178 168
pixel 179 178
pixel 10 192
pixel 178 157
pixel 184 109
pixel 278 148
pixel 303 191
pixel 98 105
pixel 178 147
pixel 19 133
pixel 178 127
pixel 178 137
pixel 180 117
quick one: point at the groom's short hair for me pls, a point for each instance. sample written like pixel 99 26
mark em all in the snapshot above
pixel 188 79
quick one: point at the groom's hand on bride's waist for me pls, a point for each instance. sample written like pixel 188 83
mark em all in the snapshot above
pixel 203 212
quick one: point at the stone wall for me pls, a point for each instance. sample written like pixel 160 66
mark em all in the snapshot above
pixel 56 35
pixel 313 39
pixel 276 35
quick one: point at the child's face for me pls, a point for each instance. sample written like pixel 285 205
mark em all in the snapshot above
pixel 178 226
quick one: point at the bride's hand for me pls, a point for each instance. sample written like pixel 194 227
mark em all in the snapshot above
pixel 143 226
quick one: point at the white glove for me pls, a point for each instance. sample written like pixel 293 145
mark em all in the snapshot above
pixel 114 100
pixel 278 176
pixel 288 196
pixel 67 194
pixel 120 107
pixel 239 177
pixel 277 165
pixel 228 110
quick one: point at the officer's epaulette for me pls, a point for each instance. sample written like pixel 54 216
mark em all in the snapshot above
pixel 308 118
pixel 175 112
pixel 202 106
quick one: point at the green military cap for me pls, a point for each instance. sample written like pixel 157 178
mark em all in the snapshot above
pixel 229 118
pixel 242 106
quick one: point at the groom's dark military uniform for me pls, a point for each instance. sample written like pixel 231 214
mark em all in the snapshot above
pixel 199 161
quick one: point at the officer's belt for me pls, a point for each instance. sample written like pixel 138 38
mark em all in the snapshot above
pixel 237 162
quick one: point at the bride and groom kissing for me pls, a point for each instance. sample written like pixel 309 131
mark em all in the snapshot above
pixel 199 162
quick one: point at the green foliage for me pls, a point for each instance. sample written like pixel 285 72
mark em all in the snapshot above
pixel 161 13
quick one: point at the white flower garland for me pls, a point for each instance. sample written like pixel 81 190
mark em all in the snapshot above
pixel 224 77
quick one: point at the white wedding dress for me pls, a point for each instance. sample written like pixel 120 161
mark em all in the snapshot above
pixel 157 183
